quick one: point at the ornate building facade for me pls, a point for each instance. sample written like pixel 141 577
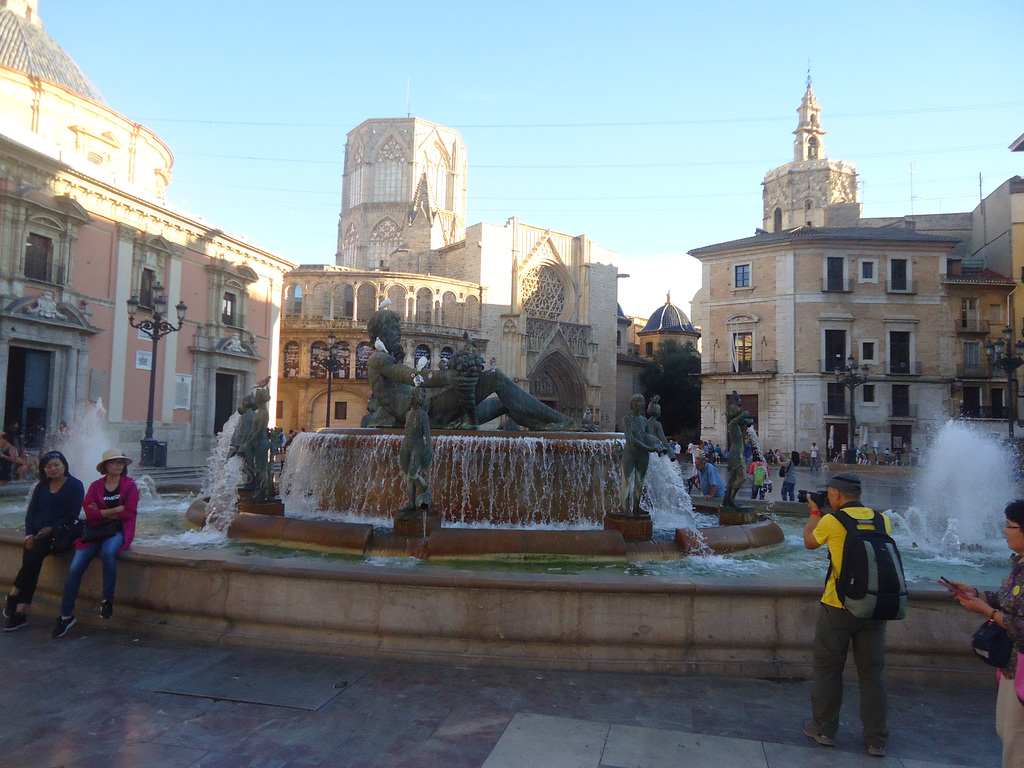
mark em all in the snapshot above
pixel 84 226
pixel 914 299
pixel 539 304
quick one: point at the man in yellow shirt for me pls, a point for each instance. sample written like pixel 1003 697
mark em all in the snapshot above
pixel 837 628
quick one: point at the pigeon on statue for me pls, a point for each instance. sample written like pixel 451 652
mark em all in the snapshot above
pixel 422 363
pixel 385 304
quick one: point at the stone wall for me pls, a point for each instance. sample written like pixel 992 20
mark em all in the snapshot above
pixel 743 628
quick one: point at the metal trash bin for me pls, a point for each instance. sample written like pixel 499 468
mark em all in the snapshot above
pixel 160 454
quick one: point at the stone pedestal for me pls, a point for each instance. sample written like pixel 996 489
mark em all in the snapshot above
pixel 632 528
pixel 411 526
pixel 740 516
pixel 273 507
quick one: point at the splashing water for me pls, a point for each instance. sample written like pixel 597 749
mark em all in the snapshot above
pixel 88 436
pixel 665 497
pixel 223 476
pixel 965 481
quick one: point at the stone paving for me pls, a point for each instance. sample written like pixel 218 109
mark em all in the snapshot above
pixel 103 697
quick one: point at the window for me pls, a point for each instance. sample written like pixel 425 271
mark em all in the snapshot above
pixel 777 220
pixel 349 247
pixel 998 402
pixel 384 240
pixel 424 306
pixel 898 274
pixel 446 357
pixel 901 400
pixel 229 308
pixel 743 351
pixel 341 411
pixel 422 352
pixel 972 357
pixel 835 350
pixel 317 352
pixel 293 300
pixel 344 302
pixel 834 268
pixel 355 177
pixel 363 352
pixel 389 178
pixel 867 271
pixel 742 276
pixel 146 282
pixel 868 391
pixel 867 351
pixel 835 405
pixel 649 349
pixel 972 402
pixel 343 355
pixel 899 352
pixel 969 314
pixel 291 360
pixel 38 257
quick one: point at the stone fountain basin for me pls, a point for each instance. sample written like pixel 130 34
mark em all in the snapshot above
pixel 489 543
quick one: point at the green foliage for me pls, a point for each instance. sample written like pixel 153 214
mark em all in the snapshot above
pixel 673 374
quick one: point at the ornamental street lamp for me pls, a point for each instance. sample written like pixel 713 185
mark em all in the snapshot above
pixel 1001 355
pixel 157 327
pixel 331 364
pixel 851 376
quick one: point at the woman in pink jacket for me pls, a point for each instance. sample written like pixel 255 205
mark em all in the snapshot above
pixel 111 506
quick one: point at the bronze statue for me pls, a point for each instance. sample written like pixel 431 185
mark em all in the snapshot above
pixel 466 395
pixel 653 416
pixel 251 441
pixel 738 420
pixel 416 454
pixel 640 443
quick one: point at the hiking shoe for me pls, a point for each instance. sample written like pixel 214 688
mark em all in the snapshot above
pixel 106 609
pixel 876 751
pixel 10 605
pixel 14 621
pixel 62 626
pixel 810 729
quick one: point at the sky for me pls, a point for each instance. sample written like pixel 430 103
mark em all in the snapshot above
pixel 648 127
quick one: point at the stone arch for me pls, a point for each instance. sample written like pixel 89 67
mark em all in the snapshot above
pixel 424 306
pixel 344 302
pixel 290 362
pixel 321 304
pixel 471 313
pixel 363 351
pixel 451 310
pixel 421 351
pixel 397 294
pixel 556 381
pixel 293 299
pixel 546 290
pixel 366 301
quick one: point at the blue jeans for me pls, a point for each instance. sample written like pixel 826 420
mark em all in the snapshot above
pixel 107 551
pixel 787 492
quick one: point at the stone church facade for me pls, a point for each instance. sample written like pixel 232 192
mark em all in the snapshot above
pixel 539 304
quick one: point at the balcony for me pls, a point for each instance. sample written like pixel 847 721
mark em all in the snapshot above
pixel 974 371
pixel 971 325
pixel 903 411
pixel 904 368
pixel 983 411
pixel 728 367
pixel 835 286
pixel 901 286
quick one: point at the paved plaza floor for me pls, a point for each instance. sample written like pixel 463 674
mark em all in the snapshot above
pixel 106 698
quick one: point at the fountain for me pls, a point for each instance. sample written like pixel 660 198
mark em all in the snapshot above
pixel 965 480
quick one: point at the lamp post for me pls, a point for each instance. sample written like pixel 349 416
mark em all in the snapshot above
pixel 331 364
pixel 1001 355
pixel 157 327
pixel 851 376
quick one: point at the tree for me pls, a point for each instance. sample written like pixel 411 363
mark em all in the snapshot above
pixel 673 373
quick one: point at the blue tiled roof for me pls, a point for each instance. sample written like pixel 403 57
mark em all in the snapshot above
pixel 27 48
pixel 669 318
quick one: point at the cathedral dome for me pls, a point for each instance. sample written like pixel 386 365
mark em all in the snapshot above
pixel 25 47
pixel 668 318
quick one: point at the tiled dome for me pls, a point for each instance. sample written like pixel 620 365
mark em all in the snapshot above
pixel 669 318
pixel 26 47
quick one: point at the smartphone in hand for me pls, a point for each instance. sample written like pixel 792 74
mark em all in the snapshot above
pixel 952 587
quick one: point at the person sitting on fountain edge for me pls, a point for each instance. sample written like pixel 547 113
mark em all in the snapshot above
pixel 460 388
pixel 837 628
pixel 711 484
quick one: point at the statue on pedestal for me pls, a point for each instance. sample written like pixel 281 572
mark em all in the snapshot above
pixel 466 395
pixel 416 455
pixel 640 443
pixel 738 420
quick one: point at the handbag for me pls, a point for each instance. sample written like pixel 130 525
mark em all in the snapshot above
pixel 64 536
pixel 993 644
pixel 101 532
pixel 1018 679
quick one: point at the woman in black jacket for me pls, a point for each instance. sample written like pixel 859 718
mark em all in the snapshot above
pixel 56 502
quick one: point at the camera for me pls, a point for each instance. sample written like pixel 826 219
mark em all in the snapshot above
pixel 820 498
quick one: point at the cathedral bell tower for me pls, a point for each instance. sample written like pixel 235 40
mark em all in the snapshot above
pixel 798 193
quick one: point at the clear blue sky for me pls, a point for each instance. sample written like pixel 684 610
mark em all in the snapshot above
pixel 647 126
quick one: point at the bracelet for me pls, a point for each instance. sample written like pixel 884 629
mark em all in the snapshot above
pixel 992 616
pixel 976 592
